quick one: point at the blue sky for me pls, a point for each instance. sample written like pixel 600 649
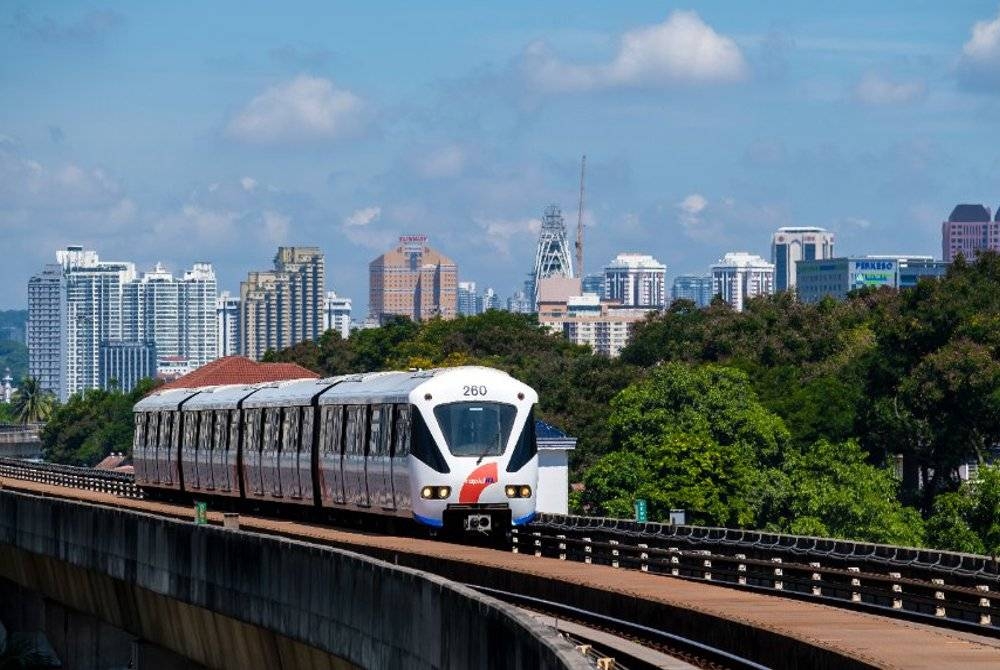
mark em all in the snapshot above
pixel 180 132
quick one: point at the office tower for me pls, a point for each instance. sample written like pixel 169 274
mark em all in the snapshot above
pixel 594 283
pixel 123 364
pixel 176 314
pixel 283 306
pixel 489 300
pixel 337 314
pixel 552 257
pixel 227 325
pixel 469 301
pixel 836 277
pixel 46 308
pixel 739 276
pixel 636 280
pixel 793 244
pixel 412 280
pixel 968 230
pixel 519 303
pixel 696 288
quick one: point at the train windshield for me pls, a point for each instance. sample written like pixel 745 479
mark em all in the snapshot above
pixel 476 428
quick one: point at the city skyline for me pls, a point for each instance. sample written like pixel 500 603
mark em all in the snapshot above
pixel 871 129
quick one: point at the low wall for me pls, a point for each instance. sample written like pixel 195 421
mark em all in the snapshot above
pixel 236 599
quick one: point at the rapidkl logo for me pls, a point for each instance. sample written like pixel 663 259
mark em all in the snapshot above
pixel 478 479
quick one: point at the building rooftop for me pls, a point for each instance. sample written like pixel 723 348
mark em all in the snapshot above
pixel 742 259
pixel 969 214
pixel 239 370
pixel 631 260
pixel 801 229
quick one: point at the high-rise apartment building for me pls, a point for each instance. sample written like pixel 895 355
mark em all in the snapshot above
pixel 792 244
pixel 968 230
pixel 337 314
pixel 699 289
pixel 519 303
pixel 283 306
pixel 636 280
pixel 46 308
pixel 594 283
pixel 739 276
pixel 123 364
pixel 490 300
pixel 227 325
pixel 177 314
pixel 469 301
pixel 412 280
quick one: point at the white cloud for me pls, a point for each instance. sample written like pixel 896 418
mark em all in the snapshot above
pixel 305 109
pixel 276 226
pixel 693 204
pixel 248 183
pixel 500 232
pixel 874 89
pixel 442 163
pixel 363 217
pixel 681 50
pixel 979 65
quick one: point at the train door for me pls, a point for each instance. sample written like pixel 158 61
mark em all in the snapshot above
pixel 289 455
pixel 189 451
pixel 401 457
pixel 139 447
pixel 166 463
pixel 220 471
pixel 379 467
pixel 251 452
pixel 270 466
pixel 355 485
pixel 331 455
pixel 204 453
pixel 307 419
pixel 233 450
pixel 152 444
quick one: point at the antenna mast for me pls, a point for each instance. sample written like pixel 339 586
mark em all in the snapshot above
pixel 579 222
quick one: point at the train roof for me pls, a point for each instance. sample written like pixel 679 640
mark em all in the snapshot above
pixel 165 399
pixel 220 397
pixel 288 393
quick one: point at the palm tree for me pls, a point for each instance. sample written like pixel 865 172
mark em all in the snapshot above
pixel 31 403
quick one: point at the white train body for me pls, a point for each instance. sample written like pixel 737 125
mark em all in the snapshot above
pixel 452 448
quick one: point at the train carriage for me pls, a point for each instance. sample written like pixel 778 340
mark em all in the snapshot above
pixel 451 448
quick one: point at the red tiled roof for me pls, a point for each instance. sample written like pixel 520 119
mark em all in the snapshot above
pixel 239 370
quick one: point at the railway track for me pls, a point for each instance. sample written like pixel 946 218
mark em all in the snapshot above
pixel 944 589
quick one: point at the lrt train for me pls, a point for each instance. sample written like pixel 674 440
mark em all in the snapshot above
pixel 453 449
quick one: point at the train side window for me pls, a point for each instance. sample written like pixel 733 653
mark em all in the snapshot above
pixel 234 428
pixel 526 447
pixel 152 429
pixel 165 426
pixel 306 420
pixel 139 439
pixel 375 441
pixel 423 445
pixel 252 440
pixel 355 433
pixel 219 436
pixel 333 429
pixel 401 432
pixel 272 425
pixel 205 436
pixel 190 430
pixel 290 429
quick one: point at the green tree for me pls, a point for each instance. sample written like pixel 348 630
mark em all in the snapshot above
pixel 969 518
pixel 32 404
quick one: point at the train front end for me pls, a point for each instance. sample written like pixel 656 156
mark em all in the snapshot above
pixel 475 458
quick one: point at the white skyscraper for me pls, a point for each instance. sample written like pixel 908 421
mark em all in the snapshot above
pixel 636 280
pixel 789 245
pixel 489 300
pixel 178 314
pixel 46 307
pixel 227 325
pixel 469 301
pixel 337 314
pixel 739 276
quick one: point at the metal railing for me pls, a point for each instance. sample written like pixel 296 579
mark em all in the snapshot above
pixel 943 588
pixel 89 479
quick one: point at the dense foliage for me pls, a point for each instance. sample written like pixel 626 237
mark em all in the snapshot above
pixel 13 352
pixel 91 425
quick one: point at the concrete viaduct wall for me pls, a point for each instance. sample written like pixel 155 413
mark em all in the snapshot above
pixel 226 598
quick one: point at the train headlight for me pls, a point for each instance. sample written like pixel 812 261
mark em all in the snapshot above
pixel 514 491
pixel 511 491
pixel 432 492
pixel 525 491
